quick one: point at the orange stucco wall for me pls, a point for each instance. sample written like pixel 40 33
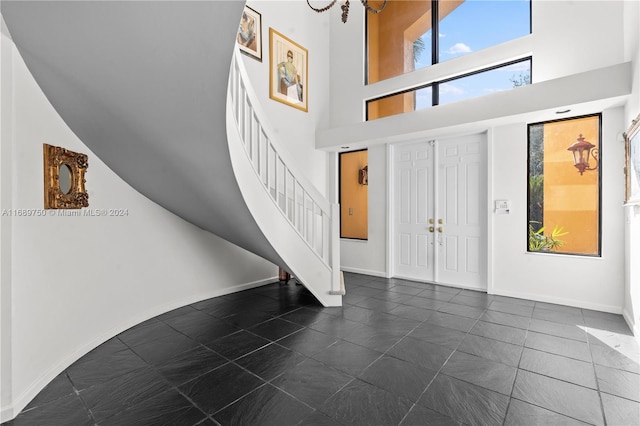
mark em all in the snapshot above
pixel 391 34
pixel 570 199
pixel 354 198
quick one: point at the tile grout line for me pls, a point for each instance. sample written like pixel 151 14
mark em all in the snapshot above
pixel 441 367
pixel 595 373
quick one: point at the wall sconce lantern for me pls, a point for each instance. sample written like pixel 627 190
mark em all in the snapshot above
pixel 363 175
pixel 581 150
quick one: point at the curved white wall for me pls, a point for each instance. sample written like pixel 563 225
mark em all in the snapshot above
pixel 70 283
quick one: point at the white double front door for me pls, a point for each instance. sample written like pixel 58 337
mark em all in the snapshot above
pixel 439 211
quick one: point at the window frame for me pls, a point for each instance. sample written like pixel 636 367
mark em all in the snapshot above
pixel 599 171
pixel 340 192
pixel 435 41
pixel 435 85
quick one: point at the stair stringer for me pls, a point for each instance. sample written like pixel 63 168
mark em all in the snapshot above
pixel 318 270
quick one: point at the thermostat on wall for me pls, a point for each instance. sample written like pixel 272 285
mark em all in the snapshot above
pixel 502 206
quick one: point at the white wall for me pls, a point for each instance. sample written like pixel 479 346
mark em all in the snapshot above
pixel 569 37
pixel 369 256
pixel 295 129
pixel 70 283
pixel 575 36
pixel 594 283
pixel 631 310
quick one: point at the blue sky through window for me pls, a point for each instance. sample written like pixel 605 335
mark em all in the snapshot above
pixel 473 26
pixel 483 83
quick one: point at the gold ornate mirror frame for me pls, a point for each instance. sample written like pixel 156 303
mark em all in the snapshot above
pixel 56 158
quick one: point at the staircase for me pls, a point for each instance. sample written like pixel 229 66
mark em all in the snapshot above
pixel 154 89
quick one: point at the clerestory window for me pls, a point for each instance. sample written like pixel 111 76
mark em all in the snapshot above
pixel 502 77
pixel 401 39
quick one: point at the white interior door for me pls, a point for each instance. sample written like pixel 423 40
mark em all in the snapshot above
pixel 440 211
pixel 414 243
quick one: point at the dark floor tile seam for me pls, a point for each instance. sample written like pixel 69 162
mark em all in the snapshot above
pixel 185 396
pixel 511 397
pixel 513 385
pixel 77 394
pixel 439 371
pixel 557 354
pixel 546 409
pixel 326 399
pixel 243 355
pixel 212 415
pixel 546 333
pixel 304 358
pixel 172 387
pixel 595 374
pixel 560 311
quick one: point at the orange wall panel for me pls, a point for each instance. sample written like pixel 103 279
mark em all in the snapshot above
pixel 570 199
pixel 354 197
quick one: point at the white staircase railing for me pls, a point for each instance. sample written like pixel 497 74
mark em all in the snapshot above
pixel 309 213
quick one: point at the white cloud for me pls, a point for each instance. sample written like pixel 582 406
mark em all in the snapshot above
pixel 458 48
pixel 489 90
pixel 450 89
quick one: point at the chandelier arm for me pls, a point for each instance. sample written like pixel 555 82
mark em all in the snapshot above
pixel 324 9
pixel 365 3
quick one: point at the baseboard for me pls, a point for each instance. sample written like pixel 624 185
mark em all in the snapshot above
pixel 418 280
pixel 6 414
pixel 363 271
pixel 559 301
pixel 18 404
pixel 633 326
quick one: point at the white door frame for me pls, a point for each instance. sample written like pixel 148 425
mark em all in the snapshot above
pixel 391 151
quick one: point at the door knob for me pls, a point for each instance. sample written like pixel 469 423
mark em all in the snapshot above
pixel 430 220
pixel 431 229
pixel 440 221
pixel 439 228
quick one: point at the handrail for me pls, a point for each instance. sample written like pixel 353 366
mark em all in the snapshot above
pixel 306 209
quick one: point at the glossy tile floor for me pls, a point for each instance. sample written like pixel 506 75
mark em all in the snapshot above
pixel 397 352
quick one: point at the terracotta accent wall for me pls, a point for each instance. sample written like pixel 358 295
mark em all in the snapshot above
pixel 571 199
pixel 354 197
pixel 391 34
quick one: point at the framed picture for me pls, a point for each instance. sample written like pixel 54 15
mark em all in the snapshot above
pixel 288 71
pixel 632 162
pixel 250 33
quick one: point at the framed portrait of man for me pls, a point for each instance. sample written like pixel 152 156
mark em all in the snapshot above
pixel 250 33
pixel 288 71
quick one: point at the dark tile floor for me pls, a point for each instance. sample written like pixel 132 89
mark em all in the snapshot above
pixel 397 352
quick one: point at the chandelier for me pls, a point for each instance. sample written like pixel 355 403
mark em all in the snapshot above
pixel 345 7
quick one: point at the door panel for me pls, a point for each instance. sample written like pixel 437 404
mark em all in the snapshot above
pixel 414 203
pixel 445 183
pixel 461 196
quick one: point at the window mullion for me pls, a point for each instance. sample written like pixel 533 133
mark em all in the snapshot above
pixel 435 38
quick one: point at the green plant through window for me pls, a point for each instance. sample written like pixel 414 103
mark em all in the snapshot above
pixel 563 213
pixel 538 239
